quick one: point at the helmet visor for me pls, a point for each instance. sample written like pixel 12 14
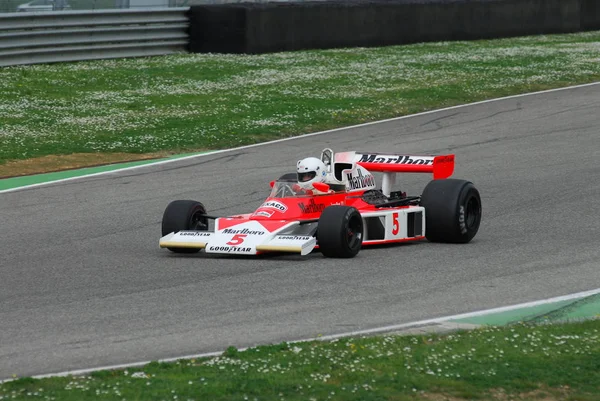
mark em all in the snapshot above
pixel 304 177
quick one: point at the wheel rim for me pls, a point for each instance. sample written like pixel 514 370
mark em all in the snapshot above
pixel 354 232
pixel 472 213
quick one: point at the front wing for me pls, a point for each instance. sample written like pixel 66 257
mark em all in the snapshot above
pixel 245 238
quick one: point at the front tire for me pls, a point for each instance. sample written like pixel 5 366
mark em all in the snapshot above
pixel 184 215
pixel 452 211
pixel 340 232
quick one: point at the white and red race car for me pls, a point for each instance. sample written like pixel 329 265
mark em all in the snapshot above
pixel 347 212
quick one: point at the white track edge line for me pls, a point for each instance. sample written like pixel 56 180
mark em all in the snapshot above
pixel 300 136
pixel 382 329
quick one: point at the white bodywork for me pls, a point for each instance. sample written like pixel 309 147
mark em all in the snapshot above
pixel 246 238
pixel 354 177
pixel 389 225
pixel 386 225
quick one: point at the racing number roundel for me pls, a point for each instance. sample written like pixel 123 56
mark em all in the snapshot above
pixel 237 239
pixel 395 224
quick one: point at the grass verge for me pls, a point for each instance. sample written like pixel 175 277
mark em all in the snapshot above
pixel 520 362
pixel 189 102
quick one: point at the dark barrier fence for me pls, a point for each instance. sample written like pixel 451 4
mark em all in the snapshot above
pixel 590 15
pixel 270 27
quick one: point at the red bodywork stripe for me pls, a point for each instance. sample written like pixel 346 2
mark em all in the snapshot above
pixel 273 225
pixel 226 222
pixel 392 241
pixel 270 225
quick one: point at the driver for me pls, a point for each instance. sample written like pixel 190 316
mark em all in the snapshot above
pixel 309 171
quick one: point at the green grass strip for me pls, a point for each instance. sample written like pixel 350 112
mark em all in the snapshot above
pixel 549 362
pixel 190 102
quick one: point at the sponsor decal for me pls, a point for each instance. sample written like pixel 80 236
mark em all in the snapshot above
pixel 461 220
pixel 395 159
pixel 228 249
pixel 275 205
pixel 359 181
pixel 242 231
pixel 263 213
pixel 311 207
pixel 195 233
pixel 294 237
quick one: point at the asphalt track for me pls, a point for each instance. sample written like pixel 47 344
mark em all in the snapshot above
pixel 84 284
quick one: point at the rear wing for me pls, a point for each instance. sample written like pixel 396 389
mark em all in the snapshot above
pixel 441 166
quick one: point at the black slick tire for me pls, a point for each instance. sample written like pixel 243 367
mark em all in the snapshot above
pixel 452 211
pixel 184 215
pixel 340 232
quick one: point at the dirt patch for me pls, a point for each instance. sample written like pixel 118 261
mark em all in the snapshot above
pixel 49 164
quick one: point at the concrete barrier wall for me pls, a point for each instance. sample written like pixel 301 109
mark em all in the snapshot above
pixel 590 15
pixel 217 29
pixel 270 27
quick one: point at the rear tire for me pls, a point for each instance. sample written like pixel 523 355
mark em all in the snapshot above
pixel 452 211
pixel 340 232
pixel 184 215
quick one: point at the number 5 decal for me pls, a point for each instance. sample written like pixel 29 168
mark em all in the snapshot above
pixel 395 224
pixel 237 239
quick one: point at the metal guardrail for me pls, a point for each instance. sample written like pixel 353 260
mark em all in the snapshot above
pixel 48 37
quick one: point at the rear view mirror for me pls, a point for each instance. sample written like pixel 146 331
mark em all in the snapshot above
pixel 321 186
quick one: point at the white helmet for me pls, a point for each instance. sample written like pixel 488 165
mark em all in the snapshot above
pixel 310 170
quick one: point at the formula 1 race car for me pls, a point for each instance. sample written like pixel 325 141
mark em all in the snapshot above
pixel 333 204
